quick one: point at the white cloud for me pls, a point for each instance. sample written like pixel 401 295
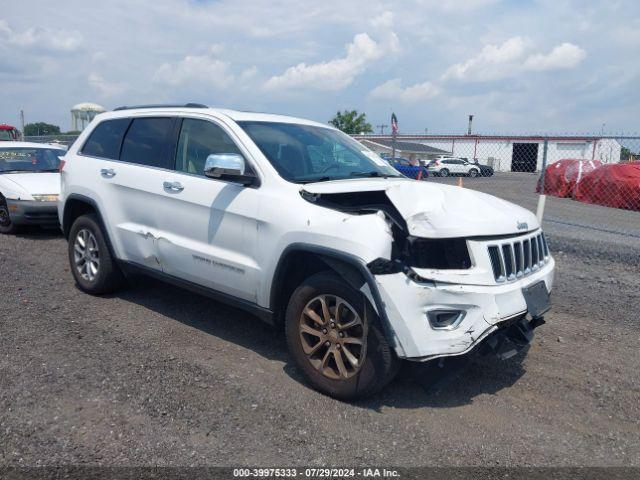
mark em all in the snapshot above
pixel 40 38
pixel 457 6
pixel 563 56
pixel 510 59
pixel 48 50
pixel 492 62
pixel 249 73
pixel 104 88
pixel 384 20
pixel 195 70
pixel 393 90
pixel 336 74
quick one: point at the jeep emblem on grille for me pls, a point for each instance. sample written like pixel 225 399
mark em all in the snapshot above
pixel 523 226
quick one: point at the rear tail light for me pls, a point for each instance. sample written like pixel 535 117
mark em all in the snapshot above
pixel 61 167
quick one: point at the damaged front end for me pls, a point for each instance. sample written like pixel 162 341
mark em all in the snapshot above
pixel 443 288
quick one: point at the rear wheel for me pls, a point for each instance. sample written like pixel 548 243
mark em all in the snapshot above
pixel 6 225
pixel 444 172
pixel 335 339
pixel 92 265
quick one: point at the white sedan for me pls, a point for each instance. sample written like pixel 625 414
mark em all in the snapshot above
pixel 29 184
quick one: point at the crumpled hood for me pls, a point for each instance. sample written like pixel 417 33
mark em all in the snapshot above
pixel 36 183
pixel 434 210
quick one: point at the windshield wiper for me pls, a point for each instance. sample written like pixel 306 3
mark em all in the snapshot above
pixel 319 179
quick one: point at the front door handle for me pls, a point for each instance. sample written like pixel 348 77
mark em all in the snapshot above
pixel 108 172
pixel 174 187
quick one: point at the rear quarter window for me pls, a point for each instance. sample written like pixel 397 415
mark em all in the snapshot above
pixel 106 139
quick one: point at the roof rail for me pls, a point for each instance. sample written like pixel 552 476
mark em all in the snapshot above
pixel 160 105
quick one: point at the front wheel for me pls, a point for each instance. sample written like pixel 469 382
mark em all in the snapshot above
pixel 473 172
pixel 94 269
pixel 444 172
pixel 335 339
pixel 6 225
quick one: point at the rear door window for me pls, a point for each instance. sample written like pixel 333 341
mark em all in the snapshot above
pixel 149 142
pixel 106 138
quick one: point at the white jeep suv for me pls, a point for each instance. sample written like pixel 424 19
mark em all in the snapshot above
pixel 303 226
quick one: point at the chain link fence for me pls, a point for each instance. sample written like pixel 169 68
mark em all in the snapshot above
pixel 66 140
pixel 584 188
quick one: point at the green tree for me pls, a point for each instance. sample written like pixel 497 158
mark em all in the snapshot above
pixel 40 128
pixel 351 122
pixel 627 155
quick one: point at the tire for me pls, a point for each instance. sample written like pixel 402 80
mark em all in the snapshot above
pixel 106 277
pixel 376 363
pixel 473 173
pixel 7 227
pixel 444 172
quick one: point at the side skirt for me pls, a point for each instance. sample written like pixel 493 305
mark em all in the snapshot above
pixel 264 314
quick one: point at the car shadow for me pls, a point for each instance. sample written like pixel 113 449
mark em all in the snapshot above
pixel 34 232
pixel 207 315
pixel 448 384
pixel 438 384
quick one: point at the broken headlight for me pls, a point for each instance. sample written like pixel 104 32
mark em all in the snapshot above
pixel 440 253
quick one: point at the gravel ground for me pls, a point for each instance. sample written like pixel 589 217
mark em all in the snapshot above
pixel 160 376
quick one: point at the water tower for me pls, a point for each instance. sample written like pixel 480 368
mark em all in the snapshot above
pixel 83 113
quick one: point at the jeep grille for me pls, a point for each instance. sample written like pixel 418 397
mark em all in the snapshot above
pixel 518 257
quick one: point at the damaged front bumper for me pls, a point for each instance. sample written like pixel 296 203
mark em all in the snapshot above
pixel 486 309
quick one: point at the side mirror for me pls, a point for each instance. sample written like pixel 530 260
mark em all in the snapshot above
pixel 227 166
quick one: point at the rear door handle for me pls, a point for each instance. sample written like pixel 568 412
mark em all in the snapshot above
pixel 174 187
pixel 108 172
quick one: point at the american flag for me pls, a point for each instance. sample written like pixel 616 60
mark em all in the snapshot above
pixel 394 124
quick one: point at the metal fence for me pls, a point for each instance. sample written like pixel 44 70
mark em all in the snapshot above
pixel 66 140
pixel 585 188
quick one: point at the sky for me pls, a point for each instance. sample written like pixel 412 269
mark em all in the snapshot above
pixel 520 66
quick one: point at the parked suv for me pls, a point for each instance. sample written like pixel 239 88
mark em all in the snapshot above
pixel 306 228
pixel 445 166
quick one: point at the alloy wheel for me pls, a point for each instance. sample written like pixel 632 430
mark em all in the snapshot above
pixel 86 255
pixel 333 337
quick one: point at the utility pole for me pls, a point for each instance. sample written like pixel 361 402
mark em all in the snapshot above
pixel 22 124
pixel 382 127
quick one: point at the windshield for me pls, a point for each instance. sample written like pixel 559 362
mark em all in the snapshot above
pixel 6 135
pixel 29 159
pixel 304 153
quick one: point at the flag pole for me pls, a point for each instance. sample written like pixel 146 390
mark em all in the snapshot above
pixel 394 133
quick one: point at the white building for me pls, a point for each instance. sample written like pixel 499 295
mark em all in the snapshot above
pixel 83 113
pixel 509 153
